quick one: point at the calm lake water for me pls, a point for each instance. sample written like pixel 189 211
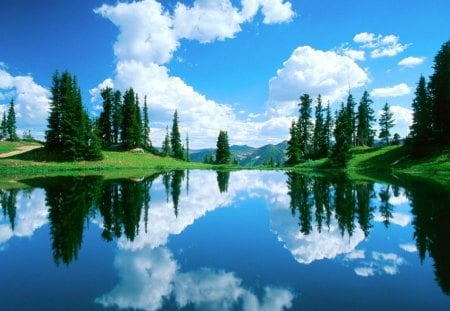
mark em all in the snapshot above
pixel 206 240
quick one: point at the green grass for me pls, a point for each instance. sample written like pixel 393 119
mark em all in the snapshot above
pixel 391 159
pixel 8 146
pixel 41 161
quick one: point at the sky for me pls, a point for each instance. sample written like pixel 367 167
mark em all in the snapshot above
pixel 234 65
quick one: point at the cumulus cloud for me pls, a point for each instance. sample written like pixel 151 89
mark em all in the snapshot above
pixel 391 91
pixel 148 37
pixel 411 61
pixel 314 72
pixel 403 119
pixel 31 100
pixel 399 219
pixel 146 32
pixel 380 45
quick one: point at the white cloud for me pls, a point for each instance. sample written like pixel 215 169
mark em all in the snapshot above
pixel 391 91
pixel 206 21
pixel 364 271
pixel 356 254
pixel 146 32
pixel 96 92
pixel 411 61
pixel 31 100
pixel 380 45
pixel 149 36
pixel 355 54
pixel 314 72
pixel 403 119
pixel 410 248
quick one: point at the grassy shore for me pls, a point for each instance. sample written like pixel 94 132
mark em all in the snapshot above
pixel 391 159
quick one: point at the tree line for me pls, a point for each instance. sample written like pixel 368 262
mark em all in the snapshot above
pixel 430 129
pixel 8 124
pixel 354 126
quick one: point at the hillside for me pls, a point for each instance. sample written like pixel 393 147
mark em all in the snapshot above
pixel 246 155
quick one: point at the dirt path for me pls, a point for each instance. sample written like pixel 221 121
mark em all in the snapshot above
pixel 19 151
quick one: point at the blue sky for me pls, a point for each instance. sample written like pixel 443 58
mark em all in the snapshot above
pixel 235 65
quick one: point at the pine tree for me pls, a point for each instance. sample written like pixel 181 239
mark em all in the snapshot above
pixel 105 120
pixel 166 143
pixel 146 142
pixel 223 154
pixel 138 125
pixel 293 152
pixel 365 132
pixel 131 134
pixel 175 139
pixel 69 128
pixel 340 151
pixel 188 156
pixel 53 134
pixel 327 130
pixel 11 122
pixel 396 139
pixel 422 125
pixel 318 138
pixel 3 128
pixel 117 116
pixel 386 122
pixel 305 125
pixel 439 87
pixel 352 116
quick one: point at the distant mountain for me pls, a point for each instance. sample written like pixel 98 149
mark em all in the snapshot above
pixel 246 155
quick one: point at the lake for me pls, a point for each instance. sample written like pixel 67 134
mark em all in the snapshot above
pixel 207 240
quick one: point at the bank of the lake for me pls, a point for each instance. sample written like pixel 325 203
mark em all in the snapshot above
pixel 391 159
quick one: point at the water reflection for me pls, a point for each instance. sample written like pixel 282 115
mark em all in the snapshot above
pixel 313 217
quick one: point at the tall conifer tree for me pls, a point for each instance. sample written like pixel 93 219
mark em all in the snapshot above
pixel 293 152
pixel 386 122
pixel 117 116
pixel 146 142
pixel 223 154
pixel 318 130
pixel 105 120
pixel 166 143
pixel 175 139
pixel 11 122
pixel 365 132
pixel 305 125
pixel 439 87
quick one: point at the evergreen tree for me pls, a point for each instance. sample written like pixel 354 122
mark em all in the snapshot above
pixel 175 139
pixel 146 142
pixel 422 125
pixel 117 117
pixel 138 124
pixel 72 119
pixel 105 120
pixel 188 156
pixel 352 117
pixel 365 132
pixel 131 134
pixel 11 122
pixel 396 139
pixel 69 127
pixel 327 130
pixel 305 125
pixel 53 134
pixel 340 151
pixel 166 144
pixel 93 150
pixel 318 134
pixel 439 87
pixel 386 122
pixel 293 152
pixel 223 154
pixel 3 128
